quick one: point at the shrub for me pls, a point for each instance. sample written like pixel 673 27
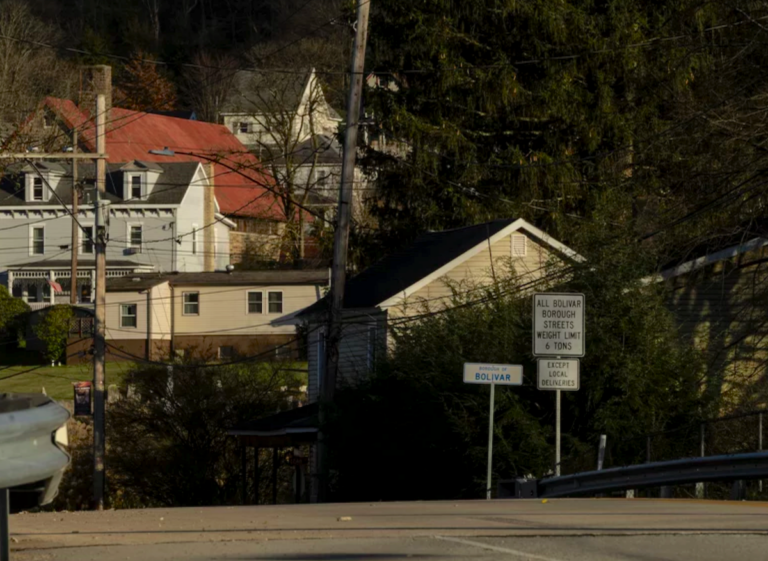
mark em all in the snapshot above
pixel 53 331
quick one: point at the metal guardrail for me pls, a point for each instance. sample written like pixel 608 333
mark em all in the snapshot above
pixel 733 467
pixel 32 438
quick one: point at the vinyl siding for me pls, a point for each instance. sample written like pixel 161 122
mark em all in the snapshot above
pixel 354 357
pixel 722 311
pixel 115 300
pixel 223 309
pixel 478 271
pixel 161 312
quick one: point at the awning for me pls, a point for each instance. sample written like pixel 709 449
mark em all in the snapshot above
pixel 282 430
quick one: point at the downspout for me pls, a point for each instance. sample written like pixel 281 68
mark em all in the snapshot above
pixel 149 324
pixel 173 319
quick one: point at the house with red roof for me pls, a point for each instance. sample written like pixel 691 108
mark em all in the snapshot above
pixel 244 190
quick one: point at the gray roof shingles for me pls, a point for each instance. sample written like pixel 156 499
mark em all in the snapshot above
pixel 170 188
pixel 271 277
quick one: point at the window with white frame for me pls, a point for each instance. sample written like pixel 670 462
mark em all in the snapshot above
pixel 128 315
pixel 137 191
pixel 275 302
pixel 37 240
pixel 86 240
pixel 135 236
pixel 191 303
pixel 519 245
pixel 38 189
pixel 243 127
pixel 255 302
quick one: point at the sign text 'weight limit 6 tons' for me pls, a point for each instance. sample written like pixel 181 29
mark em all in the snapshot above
pixel 558 324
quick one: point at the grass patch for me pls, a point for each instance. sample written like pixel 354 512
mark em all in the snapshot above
pixel 56 380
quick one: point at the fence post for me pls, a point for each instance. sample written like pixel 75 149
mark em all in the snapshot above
pixel 760 443
pixel 700 491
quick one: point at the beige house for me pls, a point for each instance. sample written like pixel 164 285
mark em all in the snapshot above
pixel 222 315
pixel 719 300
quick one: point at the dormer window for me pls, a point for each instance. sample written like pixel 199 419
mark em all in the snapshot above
pixel 37 189
pixel 136 190
pixel 47 121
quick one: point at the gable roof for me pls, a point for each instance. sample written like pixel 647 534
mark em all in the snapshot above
pixel 266 91
pixel 132 134
pixel 430 257
pixel 170 189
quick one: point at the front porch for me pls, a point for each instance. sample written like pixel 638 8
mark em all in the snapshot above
pixel 32 281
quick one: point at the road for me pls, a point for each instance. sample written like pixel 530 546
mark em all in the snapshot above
pixel 555 530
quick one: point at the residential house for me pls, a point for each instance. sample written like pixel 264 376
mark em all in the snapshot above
pixel 243 189
pixel 161 218
pixel 271 108
pixel 220 315
pixel 422 277
pixel 718 297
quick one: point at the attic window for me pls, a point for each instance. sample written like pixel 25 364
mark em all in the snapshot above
pixel 136 191
pixel 243 127
pixel 37 188
pixel 519 245
pixel 47 121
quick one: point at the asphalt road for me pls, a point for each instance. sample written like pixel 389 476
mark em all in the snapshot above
pixel 556 530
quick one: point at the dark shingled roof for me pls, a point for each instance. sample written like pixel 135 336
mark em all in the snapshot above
pixel 327 149
pixel 265 92
pixel 300 418
pixel 396 272
pixel 171 186
pixel 236 278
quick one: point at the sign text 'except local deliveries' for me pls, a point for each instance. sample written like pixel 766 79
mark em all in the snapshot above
pixel 558 374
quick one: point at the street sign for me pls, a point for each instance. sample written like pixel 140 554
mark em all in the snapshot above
pixel 501 374
pixel 558 324
pixel 558 374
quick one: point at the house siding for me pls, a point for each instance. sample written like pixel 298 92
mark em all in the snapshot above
pixel 721 311
pixel 223 309
pixel 479 270
pixel 355 359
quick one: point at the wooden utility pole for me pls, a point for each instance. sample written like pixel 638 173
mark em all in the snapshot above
pixel 75 226
pixel 100 308
pixel 341 240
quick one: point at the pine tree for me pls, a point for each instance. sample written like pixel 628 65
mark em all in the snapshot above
pixel 144 87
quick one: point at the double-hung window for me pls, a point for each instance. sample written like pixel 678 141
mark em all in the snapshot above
pixel 37 242
pixel 136 191
pixel 86 245
pixel 255 302
pixel 136 236
pixel 191 302
pixel 37 188
pixel 128 315
pixel 275 302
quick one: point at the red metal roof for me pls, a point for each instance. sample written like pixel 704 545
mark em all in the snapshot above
pixel 239 183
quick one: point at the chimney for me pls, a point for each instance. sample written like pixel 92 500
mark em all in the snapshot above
pixel 209 212
pixel 95 80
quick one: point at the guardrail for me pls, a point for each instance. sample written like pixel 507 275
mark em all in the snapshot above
pixel 32 437
pixel 733 467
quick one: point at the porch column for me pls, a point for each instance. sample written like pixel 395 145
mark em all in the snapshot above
pixel 10 282
pixel 51 292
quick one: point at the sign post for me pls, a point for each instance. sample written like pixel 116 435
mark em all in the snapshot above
pixel 492 374
pixel 558 331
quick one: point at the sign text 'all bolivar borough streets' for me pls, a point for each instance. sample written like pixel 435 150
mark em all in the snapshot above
pixel 558 324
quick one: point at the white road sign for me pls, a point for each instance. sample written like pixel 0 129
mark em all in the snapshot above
pixel 502 374
pixel 559 374
pixel 558 324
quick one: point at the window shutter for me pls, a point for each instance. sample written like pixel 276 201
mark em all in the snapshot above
pixel 519 245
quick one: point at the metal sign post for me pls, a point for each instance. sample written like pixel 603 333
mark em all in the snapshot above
pixel 492 374
pixel 558 331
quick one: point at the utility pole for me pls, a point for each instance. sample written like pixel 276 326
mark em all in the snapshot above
pixel 100 308
pixel 75 226
pixel 341 239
